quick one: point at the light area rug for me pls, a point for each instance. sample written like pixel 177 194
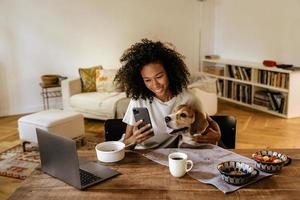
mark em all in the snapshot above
pixel 18 164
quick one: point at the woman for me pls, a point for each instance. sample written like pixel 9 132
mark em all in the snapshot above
pixel 154 76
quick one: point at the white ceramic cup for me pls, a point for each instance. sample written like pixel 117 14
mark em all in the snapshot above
pixel 178 164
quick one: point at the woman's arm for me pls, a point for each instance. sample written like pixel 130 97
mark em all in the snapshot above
pixel 134 135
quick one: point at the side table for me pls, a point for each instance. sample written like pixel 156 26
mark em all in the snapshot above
pixel 49 91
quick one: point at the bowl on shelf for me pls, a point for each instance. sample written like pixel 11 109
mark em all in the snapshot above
pixel 270 161
pixel 50 79
pixel 237 173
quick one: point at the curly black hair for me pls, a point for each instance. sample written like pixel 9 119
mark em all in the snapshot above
pixel 146 52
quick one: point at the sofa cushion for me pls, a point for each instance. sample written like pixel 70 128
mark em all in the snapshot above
pixel 203 82
pixel 104 80
pixel 96 102
pixel 208 101
pixel 88 78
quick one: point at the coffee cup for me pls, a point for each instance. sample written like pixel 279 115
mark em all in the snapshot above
pixel 178 163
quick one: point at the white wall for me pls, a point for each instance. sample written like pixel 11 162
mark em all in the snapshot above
pixel 59 36
pixel 255 30
pixel 207 29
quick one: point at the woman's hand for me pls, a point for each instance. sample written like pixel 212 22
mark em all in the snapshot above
pixel 134 135
pixel 213 126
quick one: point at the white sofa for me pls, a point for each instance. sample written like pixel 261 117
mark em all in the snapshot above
pixel 106 105
pixel 95 105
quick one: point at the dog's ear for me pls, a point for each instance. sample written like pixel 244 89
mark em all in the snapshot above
pixel 200 124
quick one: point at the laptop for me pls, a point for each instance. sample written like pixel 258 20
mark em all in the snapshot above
pixel 59 159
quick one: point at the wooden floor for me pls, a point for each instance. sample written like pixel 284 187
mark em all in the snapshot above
pixel 254 130
pixel 257 129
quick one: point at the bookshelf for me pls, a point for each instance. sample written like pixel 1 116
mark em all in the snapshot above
pixel 269 89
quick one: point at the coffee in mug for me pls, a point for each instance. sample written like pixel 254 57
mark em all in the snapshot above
pixel 177 158
pixel 178 164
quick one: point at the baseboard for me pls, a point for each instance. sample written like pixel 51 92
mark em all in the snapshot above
pixel 28 109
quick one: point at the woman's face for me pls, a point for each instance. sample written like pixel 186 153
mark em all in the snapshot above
pixel 156 80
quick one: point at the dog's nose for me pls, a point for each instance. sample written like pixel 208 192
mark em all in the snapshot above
pixel 167 119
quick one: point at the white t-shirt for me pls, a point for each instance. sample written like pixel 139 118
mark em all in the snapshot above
pixel 158 110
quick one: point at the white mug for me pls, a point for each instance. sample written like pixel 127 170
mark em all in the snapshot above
pixel 178 164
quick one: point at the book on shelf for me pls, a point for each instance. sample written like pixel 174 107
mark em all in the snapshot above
pixel 248 94
pixel 278 98
pixel 231 91
pixel 237 72
pixel 264 77
pixel 230 71
pixel 220 87
pixel 275 101
pixel 242 93
pixel 240 73
pixel 283 103
pixel 261 98
pixel 275 79
pixel 215 70
pixel 261 103
pixel 261 94
pixel 246 73
pixel 239 92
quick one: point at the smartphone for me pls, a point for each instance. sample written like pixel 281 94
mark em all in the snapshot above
pixel 142 113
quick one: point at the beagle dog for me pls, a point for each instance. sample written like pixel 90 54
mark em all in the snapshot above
pixel 194 126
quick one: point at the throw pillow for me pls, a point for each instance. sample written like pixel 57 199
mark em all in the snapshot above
pixel 88 78
pixel 104 80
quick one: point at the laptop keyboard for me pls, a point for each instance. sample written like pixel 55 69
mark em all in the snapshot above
pixel 87 178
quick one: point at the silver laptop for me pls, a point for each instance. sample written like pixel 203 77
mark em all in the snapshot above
pixel 59 159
